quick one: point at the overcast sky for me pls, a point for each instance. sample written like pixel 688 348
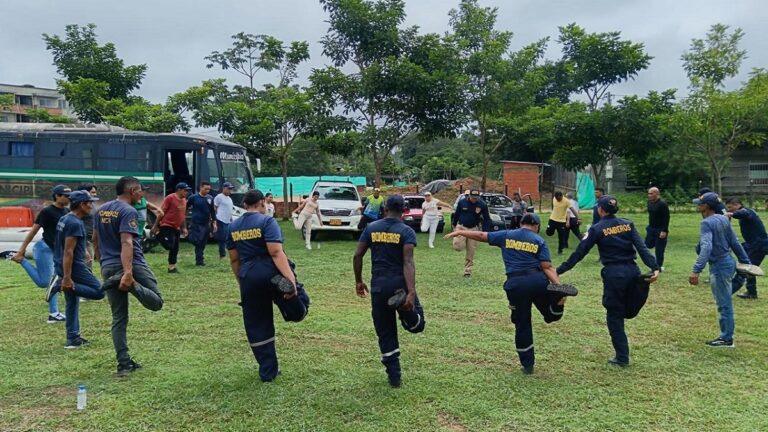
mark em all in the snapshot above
pixel 173 36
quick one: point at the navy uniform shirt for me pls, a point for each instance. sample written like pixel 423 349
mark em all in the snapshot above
pixel 250 234
pixel 521 249
pixel 386 238
pixel 202 208
pixel 69 226
pixel 112 219
pixel 470 215
pixel 616 239
pixel 752 228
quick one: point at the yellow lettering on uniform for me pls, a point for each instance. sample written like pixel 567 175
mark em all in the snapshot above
pixel 108 213
pixel 522 246
pixel 616 230
pixel 247 234
pixel 385 237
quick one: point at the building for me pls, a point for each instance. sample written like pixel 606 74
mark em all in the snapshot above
pixel 28 97
pixel 523 177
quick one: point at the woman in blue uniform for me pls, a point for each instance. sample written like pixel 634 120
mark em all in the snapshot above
pixel 256 255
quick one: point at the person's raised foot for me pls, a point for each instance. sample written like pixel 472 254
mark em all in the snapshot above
pixel 398 299
pixel 54 286
pixel 564 289
pixel 282 284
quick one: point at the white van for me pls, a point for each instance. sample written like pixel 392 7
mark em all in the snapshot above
pixel 339 203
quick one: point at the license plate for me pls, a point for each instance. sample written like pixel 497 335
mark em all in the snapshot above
pixel 335 222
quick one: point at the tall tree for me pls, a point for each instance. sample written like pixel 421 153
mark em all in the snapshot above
pixel 398 81
pixel 248 55
pixel 712 60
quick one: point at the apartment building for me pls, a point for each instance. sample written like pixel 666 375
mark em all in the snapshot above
pixel 27 97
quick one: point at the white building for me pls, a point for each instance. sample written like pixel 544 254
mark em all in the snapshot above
pixel 27 97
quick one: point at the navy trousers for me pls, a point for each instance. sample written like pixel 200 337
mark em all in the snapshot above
pixel 652 241
pixel 523 292
pixel 198 236
pixel 618 279
pixel 257 295
pixel 385 321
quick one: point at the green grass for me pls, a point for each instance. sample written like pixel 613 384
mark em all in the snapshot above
pixel 460 374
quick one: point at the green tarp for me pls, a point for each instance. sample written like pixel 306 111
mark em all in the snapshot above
pixel 585 190
pixel 301 185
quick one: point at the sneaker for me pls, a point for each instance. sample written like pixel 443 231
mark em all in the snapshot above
pixel 173 270
pixel 123 371
pixel 113 281
pixel 564 289
pixel 616 362
pixel 55 318
pixel 527 370
pixel 748 296
pixel 309 247
pixel 431 246
pixel 394 381
pixel 76 343
pixel 398 299
pixel 53 288
pixel 282 284
pixel 200 264
pixel 467 275
pixel 721 343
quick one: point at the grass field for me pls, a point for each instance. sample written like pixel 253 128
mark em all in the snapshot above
pixel 462 373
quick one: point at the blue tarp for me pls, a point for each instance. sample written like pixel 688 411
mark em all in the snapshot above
pixel 301 185
pixel 585 190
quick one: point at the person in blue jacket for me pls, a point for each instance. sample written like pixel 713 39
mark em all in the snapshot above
pixel 618 243
pixel 755 243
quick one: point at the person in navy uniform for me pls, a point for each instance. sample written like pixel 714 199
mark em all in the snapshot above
pixel 262 270
pixel 719 208
pixel 616 240
pixel 599 192
pixel 393 282
pixel 531 280
pixel 471 214
pixel 202 220
pixel 70 259
pixel 755 243
pixel 123 268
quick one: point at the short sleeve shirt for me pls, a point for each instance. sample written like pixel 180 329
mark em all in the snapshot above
pixel 386 238
pixel 175 210
pixel 47 219
pixel 202 208
pixel 69 226
pixel 116 217
pixel 224 208
pixel 521 249
pixel 249 234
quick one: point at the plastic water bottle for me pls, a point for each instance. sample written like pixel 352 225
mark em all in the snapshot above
pixel 82 397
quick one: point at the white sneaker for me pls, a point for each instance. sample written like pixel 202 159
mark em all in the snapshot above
pixel 309 247
pixel 431 246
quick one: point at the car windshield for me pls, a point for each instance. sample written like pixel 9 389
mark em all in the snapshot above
pixel 342 193
pixel 414 202
pixel 498 201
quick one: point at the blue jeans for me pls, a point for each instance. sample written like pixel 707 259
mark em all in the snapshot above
pixel 86 285
pixel 720 277
pixel 222 229
pixel 41 275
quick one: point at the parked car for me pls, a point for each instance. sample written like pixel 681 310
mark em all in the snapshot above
pixel 500 209
pixel 339 203
pixel 413 213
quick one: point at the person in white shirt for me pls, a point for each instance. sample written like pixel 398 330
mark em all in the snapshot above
pixel 224 209
pixel 270 205
pixel 573 216
pixel 306 211
pixel 431 216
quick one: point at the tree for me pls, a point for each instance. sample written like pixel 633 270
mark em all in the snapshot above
pixel 41 115
pixel 143 116
pixel 399 81
pixel 596 61
pixel 712 60
pixel 79 56
pixel 7 101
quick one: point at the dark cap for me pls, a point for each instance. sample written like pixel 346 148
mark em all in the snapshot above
pixel 704 190
pixel 395 203
pixel 78 197
pixel 61 190
pixel 474 193
pixel 530 219
pixel 144 187
pixel 609 204
pixel 227 185
pixel 710 198
pixel 183 185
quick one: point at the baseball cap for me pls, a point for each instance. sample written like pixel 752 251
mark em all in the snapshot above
pixel 227 185
pixel 395 203
pixel 710 198
pixel 474 192
pixel 78 197
pixel 183 185
pixel 376 189
pixel 608 203
pixel 61 190
pixel 530 219
pixel 704 190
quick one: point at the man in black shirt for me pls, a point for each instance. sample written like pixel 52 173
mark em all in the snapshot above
pixel 657 230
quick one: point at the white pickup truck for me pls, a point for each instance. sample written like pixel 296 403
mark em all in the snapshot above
pixel 339 203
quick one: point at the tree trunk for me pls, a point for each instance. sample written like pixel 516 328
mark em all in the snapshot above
pixel 377 164
pixel 718 183
pixel 284 166
pixel 484 178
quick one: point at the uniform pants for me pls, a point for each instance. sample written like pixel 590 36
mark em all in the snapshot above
pixel 198 235
pixel 562 234
pixel 385 323
pixel 222 231
pixel 148 295
pixel 305 222
pixel 720 280
pixel 256 297
pixel 171 238
pixel 460 243
pixel 652 241
pixel 756 252
pixel 618 279
pixel 86 286
pixel 429 224
pixel 523 292
pixel 42 271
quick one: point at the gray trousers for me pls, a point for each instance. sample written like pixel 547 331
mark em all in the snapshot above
pixel 149 296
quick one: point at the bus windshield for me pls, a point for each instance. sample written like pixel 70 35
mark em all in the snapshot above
pixel 234 169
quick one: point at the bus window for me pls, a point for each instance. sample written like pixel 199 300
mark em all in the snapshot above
pixel 23 155
pixel 213 168
pixel 66 156
pixel 123 157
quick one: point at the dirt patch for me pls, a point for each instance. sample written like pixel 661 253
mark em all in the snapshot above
pixel 58 391
pixel 450 422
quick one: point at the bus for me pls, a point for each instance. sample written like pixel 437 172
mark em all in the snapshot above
pixel 34 157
